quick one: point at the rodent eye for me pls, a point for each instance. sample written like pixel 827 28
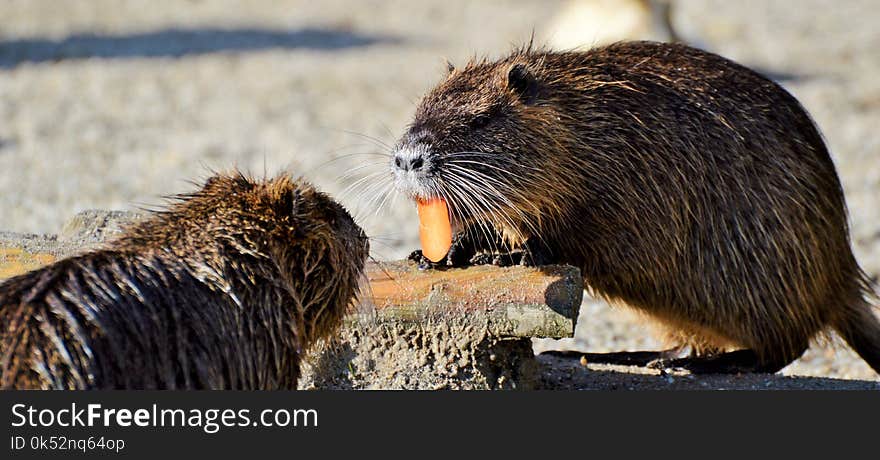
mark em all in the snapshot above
pixel 480 121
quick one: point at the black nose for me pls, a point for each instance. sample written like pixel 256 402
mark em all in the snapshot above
pixel 409 163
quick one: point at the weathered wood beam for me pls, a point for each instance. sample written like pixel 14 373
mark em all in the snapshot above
pixel 22 253
pixel 510 301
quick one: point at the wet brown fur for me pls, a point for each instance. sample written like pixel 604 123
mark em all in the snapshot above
pixel 225 289
pixel 681 183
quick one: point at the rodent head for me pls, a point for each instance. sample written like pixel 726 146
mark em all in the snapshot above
pixel 280 229
pixel 319 246
pixel 482 139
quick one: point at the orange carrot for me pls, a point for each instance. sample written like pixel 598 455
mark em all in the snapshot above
pixel 435 231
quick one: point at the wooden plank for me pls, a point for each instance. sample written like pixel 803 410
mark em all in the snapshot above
pixel 20 253
pixel 509 301
pixel 15 261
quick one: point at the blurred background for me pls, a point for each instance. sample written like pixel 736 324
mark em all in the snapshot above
pixel 114 103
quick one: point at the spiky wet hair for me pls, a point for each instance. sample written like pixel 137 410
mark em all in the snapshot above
pixel 225 288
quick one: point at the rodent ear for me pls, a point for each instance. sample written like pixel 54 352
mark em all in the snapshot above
pixel 521 80
pixel 212 181
pixel 449 67
pixel 215 182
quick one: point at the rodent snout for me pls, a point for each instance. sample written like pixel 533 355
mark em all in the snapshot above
pixel 408 160
pixel 414 168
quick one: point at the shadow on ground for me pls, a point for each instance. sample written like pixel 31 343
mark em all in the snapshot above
pixel 179 42
pixel 569 374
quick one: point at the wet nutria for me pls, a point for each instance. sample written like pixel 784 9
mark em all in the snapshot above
pixel 681 183
pixel 225 289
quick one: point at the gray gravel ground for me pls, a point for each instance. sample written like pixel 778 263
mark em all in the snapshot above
pixel 111 104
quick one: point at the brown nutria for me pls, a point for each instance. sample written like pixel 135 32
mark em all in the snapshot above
pixel 225 289
pixel 681 183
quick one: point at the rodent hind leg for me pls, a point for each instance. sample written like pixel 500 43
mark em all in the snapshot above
pixel 734 362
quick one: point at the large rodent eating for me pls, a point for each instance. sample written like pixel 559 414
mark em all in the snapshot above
pixel 226 289
pixel 681 183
